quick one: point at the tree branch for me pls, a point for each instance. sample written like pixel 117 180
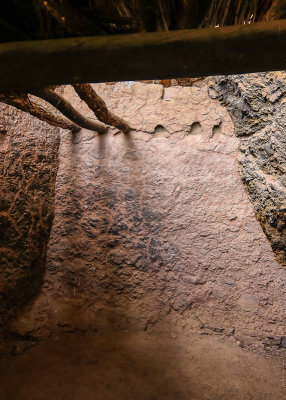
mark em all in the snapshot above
pixel 65 107
pixel 23 103
pixel 98 106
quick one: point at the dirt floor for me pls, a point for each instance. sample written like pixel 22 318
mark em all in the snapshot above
pixel 141 366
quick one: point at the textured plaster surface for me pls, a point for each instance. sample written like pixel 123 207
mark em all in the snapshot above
pixel 28 167
pixel 156 226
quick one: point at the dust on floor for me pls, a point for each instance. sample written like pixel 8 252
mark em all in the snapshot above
pixel 140 366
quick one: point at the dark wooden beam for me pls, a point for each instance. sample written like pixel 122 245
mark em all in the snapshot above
pixel 186 53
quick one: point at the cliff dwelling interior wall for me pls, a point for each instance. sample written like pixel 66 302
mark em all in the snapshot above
pixel 157 229
pixel 28 168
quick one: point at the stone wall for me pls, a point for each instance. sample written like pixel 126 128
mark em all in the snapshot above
pixel 155 229
pixel 28 167
pixel 257 106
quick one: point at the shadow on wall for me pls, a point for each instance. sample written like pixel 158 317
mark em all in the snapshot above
pixel 155 226
pixel 105 237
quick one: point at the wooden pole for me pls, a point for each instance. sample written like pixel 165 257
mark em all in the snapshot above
pixel 98 106
pixel 66 108
pixel 160 55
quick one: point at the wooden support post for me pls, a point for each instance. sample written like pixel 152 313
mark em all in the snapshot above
pixel 159 55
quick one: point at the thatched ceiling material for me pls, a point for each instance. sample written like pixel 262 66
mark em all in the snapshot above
pixel 49 19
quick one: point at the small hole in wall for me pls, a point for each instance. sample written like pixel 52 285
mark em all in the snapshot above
pixel 216 129
pixel 196 129
pixel 159 129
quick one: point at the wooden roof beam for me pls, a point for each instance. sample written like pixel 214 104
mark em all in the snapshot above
pixel 159 55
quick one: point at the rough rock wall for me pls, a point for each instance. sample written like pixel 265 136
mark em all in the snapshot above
pixel 155 227
pixel 257 105
pixel 28 167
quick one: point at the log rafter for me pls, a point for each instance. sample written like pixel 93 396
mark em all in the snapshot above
pixel 72 119
pixel 68 110
pixel 22 102
pixel 98 106
pixel 157 55
pixel 228 50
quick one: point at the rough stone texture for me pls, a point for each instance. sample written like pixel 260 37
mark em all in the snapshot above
pixel 155 228
pixel 257 105
pixel 28 167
